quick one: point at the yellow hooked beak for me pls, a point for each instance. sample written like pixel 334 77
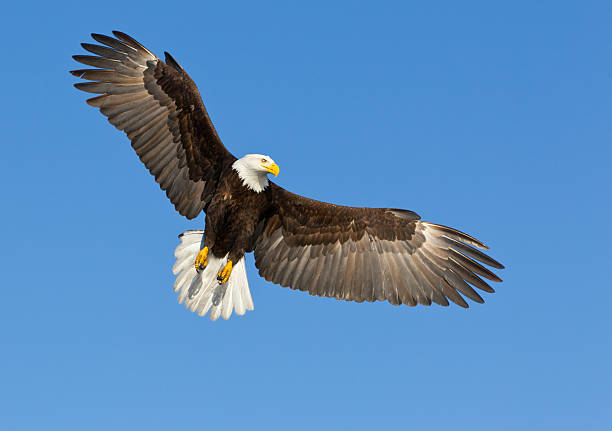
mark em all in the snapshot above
pixel 272 168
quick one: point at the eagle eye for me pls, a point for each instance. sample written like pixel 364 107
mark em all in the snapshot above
pixel 263 160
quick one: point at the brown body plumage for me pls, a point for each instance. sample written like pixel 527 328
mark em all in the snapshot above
pixel 360 254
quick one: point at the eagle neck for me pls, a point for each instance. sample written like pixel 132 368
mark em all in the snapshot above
pixel 254 180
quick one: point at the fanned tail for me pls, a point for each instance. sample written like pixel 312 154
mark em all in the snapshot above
pixel 201 291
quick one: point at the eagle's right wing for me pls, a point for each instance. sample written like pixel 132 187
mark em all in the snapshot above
pixel 160 109
pixel 368 254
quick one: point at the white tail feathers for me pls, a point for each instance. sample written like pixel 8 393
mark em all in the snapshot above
pixel 201 291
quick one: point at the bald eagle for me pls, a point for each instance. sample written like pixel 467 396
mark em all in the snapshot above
pixel 349 253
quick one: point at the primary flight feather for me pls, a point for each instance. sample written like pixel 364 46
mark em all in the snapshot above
pixel 350 253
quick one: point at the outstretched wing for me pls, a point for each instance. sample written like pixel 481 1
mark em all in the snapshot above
pixel 160 109
pixel 368 254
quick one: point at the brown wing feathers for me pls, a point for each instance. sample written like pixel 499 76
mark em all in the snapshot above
pixel 160 109
pixel 369 254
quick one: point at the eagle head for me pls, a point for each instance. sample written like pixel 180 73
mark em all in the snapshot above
pixel 253 170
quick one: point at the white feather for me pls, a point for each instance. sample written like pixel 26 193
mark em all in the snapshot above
pixel 181 265
pixel 184 277
pixel 215 312
pixel 179 253
pixel 205 303
pixel 227 304
pixel 238 304
pixel 199 290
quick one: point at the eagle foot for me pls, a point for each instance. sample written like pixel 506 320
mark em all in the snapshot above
pixel 225 273
pixel 201 261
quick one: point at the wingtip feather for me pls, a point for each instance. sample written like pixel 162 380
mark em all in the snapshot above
pixel 131 41
pixel 171 61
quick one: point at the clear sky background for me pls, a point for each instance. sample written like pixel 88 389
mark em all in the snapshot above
pixel 491 118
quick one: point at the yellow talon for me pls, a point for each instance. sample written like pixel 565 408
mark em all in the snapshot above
pixel 201 261
pixel 225 273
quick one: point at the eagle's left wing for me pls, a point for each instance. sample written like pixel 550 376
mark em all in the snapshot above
pixel 368 254
pixel 159 108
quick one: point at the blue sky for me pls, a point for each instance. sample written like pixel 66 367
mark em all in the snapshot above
pixel 491 118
